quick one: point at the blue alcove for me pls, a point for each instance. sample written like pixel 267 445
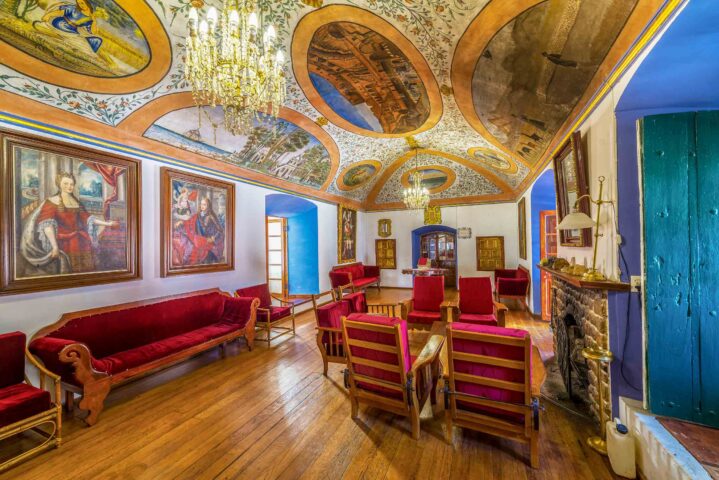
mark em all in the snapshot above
pixel 418 232
pixel 543 197
pixel 302 246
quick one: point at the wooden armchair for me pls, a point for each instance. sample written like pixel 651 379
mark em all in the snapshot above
pixel 361 305
pixel 427 303
pixel 269 317
pixel 476 304
pixel 512 283
pixel 22 406
pixel 380 371
pixel 489 385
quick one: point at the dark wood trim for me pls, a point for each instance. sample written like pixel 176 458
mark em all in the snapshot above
pixel 594 285
pixel 166 268
pixel 8 283
pixel 574 143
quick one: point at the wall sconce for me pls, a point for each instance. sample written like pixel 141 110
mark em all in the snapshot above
pixel 578 220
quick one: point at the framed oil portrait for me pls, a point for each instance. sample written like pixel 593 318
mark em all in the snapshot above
pixel 197 224
pixel 570 177
pixel 69 216
pixel 346 234
pixel 522 226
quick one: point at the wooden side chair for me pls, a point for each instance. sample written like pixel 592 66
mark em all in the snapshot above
pixel 380 371
pixel 25 407
pixel 425 306
pixel 476 303
pixel 489 385
pixel 269 317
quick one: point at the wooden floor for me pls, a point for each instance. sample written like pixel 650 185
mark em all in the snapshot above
pixel 271 414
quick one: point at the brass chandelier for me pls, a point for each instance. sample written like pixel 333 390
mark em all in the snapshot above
pixel 415 196
pixel 235 66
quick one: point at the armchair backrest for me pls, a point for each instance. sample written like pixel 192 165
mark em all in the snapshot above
pixel 475 295
pixel 522 273
pixel 428 293
pixel 505 273
pixel 261 291
pixel 490 370
pixel 357 302
pixel 12 358
pixel 422 261
pixel 378 354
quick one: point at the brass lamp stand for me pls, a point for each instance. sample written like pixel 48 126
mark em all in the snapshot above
pixel 599 356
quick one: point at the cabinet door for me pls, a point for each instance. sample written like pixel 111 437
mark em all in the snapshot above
pixel 707 268
pixel 667 143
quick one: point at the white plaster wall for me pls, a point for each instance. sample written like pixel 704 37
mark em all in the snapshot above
pixel 491 219
pixel 528 228
pixel 29 312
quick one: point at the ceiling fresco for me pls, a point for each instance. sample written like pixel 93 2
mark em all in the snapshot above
pixel 485 87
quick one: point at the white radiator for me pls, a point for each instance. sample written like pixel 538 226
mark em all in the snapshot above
pixel 660 456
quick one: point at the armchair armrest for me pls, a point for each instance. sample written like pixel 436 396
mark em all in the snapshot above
pixel 500 310
pixel 371 271
pixel 285 302
pixel 449 306
pixel 341 289
pixel 408 305
pixel 44 372
pixel 337 279
pixel 429 353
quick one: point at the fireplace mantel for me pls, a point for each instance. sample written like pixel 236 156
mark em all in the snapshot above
pixel 577 281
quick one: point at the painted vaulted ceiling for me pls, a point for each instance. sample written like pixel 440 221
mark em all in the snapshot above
pixel 485 88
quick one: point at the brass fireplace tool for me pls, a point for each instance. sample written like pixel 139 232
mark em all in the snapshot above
pixel 600 357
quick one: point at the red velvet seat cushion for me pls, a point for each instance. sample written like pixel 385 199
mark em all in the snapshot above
pixel 21 401
pixel 357 302
pixel 363 281
pixel 475 295
pixel 490 320
pixel 379 356
pixel 12 358
pixel 496 350
pixel 121 361
pixel 428 293
pixel 261 291
pixel 419 316
pixel 276 313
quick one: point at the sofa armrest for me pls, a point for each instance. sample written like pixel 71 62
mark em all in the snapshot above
pixel 512 286
pixel 241 311
pixel 371 271
pixel 337 279
pixel 500 311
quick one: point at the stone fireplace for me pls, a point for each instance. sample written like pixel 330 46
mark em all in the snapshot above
pixel 579 319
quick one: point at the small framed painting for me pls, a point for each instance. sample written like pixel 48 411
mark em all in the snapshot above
pixel 69 216
pixel 384 227
pixel 522 221
pixel 197 224
pixel 346 234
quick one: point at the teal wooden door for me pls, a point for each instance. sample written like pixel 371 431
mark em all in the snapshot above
pixel 680 164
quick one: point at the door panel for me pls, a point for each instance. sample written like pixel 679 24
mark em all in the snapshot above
pixel 547 248
pixel 277 255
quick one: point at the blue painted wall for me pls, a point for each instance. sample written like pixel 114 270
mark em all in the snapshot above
pixel 681 73
pixel 543 197
pixel 302 246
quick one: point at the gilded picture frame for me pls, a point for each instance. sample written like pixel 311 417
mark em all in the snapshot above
pixel 570 179
pixel 384 227
pixel 197 224
pixel 522 227
pixel 433 215
pixel 69 215
pixel 346 234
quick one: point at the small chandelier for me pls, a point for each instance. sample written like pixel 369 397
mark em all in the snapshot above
pixel 235 66
pixel 415 196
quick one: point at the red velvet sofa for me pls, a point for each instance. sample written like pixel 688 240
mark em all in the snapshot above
pixel 357 275
pixel 95 349
pixel 512 284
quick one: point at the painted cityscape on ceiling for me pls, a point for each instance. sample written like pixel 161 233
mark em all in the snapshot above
pixel 489 84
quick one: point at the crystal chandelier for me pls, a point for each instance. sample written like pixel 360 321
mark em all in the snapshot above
pixel 415 196
pixel 235 65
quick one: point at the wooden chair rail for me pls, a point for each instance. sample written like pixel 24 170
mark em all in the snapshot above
pixel 388 367
pixel 372 346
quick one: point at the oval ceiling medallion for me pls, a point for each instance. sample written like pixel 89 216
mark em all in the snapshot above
pixel 278 148
pixel 358 174
pixel 493 159
pixel 435 178
pixel 364 75
pixel 90 45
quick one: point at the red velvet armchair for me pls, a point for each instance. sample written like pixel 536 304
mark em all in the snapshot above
pixel 426 305
pixel 512 284
pixel 269 317
pixel 22 406
pixel 358 275
pixel 380 371
pixel 489 385
pixel 476 304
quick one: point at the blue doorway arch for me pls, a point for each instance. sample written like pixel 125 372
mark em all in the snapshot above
pixel 543 197
pixel 417 235
pixel 302 246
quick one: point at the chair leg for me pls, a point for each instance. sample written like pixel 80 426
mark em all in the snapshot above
pixel 69 401
pixel 355 406
pixel 222 350
pixel 414 417
pixel 534 450
pixel 293 323
pixel 448 425
pixel 269 333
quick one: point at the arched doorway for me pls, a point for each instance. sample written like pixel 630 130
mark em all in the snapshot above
pixel 439 244
pixel 292 246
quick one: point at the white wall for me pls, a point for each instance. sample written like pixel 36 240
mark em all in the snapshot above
pixel 30 312
pixel 492 219
pixel 528 229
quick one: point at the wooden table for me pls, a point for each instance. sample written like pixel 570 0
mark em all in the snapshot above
pixel 425 272
pixel 418 339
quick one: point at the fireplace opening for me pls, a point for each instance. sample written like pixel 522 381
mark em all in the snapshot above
pixel 573 367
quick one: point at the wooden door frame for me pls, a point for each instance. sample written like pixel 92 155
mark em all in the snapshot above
pixel 543 214
pixel 285 273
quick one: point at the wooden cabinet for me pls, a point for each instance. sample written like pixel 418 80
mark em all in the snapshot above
pixel 386 253
pixel 440 249
pixel 490 253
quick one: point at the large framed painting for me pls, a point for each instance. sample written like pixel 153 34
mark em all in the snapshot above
pixel 69 216
pixel 522 226
pixel 570 177
pixel 346 234
pixel 197 224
